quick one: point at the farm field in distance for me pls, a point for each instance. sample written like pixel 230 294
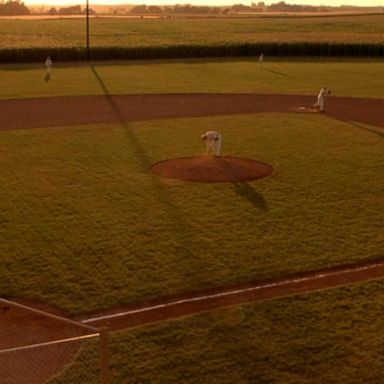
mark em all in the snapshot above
pixel 118 32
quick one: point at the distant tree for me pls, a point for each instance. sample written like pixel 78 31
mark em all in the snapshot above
pixel 239 8
pixel 74 10
pixel 52 11
pixel 154 9
pixel 139 9
pixel 13 8
pixel 90 10
pixel 189 9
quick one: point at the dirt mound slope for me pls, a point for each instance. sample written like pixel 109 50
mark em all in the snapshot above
pixel 212 169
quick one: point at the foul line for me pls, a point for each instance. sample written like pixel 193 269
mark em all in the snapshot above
pixel 53 342
pixel 235 292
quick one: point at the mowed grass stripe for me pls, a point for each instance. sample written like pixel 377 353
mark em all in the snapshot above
pixel 226 76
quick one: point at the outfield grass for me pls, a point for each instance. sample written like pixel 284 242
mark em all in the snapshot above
pixel 345 78
pixel 160 32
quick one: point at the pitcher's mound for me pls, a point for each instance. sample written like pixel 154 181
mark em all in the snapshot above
pixel 212 169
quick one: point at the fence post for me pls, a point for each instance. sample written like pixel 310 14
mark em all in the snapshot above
pixel 104 356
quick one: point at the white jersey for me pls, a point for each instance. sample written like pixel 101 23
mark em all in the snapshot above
pixel 320 98
pixel 48 63
pixel 323 91
pixel 212 136
pixel 213 141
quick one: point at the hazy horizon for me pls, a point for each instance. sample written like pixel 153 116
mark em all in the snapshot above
pixel 334 3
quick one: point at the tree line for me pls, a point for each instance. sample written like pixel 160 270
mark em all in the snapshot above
pixel 13 8
pixel 16 7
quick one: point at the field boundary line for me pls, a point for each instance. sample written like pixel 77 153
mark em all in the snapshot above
pixel 294 285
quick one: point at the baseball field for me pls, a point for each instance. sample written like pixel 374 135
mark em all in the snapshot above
pixel 87 227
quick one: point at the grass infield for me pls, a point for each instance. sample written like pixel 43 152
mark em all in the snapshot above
pixel 334 336
pixel 327 337
pixel 84 225
pixel 81 199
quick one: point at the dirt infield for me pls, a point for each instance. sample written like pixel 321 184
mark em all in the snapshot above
pixel 67 111
pixel 30 352
pixel 74 110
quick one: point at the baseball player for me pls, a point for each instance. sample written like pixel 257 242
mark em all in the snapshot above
pixel 213 140
pixel 261 59
pixel 321 98
pixel 48 65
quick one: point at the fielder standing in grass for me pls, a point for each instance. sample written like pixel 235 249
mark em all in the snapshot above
pixel 321 98
pixel 213 140
pixel 48 65
pixel 261 58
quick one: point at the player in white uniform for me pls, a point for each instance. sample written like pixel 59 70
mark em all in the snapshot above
pixel 48 65
pixel 321 98
pixel 213 140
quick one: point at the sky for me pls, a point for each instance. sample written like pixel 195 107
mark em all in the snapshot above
pixel 334 3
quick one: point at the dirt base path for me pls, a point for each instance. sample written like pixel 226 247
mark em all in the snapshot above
pixel 74 110
pixel 182 305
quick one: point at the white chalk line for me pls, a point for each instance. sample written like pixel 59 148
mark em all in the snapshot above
pixel 48 343
pixel 233 292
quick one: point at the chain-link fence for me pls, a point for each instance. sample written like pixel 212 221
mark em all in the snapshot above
pixel 81 359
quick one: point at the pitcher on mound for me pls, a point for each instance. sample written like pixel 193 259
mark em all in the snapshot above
pixel 213 141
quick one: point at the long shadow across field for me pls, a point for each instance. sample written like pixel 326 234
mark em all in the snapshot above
pixel 138 149
pixel 184 235
pixel 77 110
pixel 375 130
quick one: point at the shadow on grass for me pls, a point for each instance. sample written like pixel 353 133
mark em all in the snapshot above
pixel 278 73
pixel 173 212
pixel 140 153
pixel 375 130
pixel 246 191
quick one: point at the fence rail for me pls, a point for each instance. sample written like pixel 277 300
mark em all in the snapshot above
pixel 37 347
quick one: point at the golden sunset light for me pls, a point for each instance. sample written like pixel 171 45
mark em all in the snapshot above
pixel 333 3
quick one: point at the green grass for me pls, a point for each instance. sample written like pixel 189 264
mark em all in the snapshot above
pixel 329 337
pixel 333 336
pixel 292 77
pixel 86 225
pixel 160 32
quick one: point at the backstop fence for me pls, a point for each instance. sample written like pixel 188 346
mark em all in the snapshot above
pixel 37 347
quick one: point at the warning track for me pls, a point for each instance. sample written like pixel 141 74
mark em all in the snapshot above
pixel 78 110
